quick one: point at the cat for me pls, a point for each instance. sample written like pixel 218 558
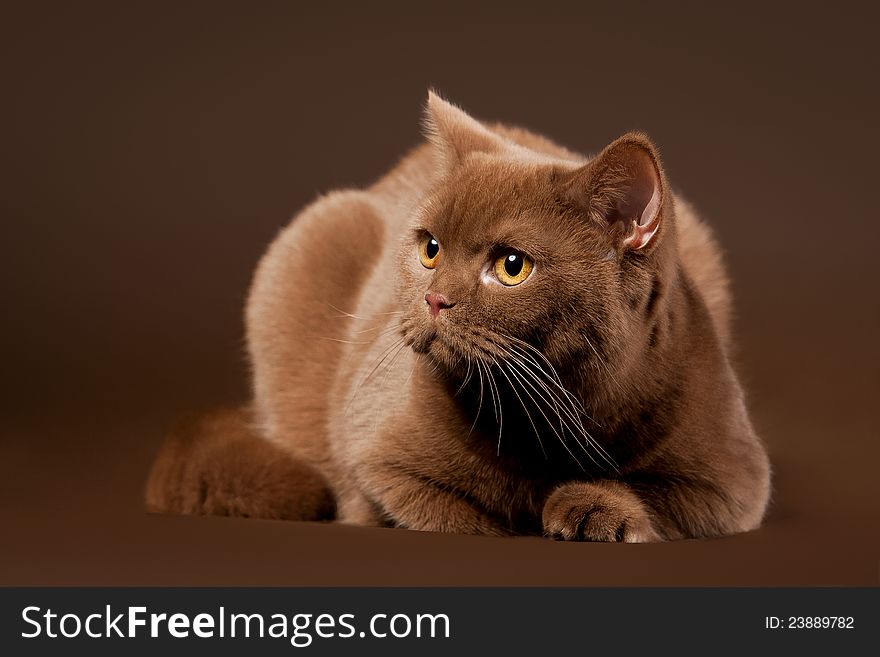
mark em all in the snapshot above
pixel 499 337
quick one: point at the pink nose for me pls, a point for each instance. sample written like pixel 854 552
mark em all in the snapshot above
pixel 437 302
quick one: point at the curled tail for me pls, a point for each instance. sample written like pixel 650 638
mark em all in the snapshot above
pixel 217 464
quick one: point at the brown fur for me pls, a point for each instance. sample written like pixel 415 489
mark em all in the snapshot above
pixel 634 428
pixel 213 464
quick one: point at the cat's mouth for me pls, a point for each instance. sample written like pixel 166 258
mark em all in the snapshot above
pixel 421 341
pixel 453 349
pixel 438 344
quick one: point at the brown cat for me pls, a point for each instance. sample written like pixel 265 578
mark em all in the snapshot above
pixel 498 337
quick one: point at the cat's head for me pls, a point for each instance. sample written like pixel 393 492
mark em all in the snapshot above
pixel 517 250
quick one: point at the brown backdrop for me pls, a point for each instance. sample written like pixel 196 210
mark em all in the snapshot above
pixel 151 152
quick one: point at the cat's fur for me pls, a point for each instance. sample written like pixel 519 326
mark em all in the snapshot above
pixel 595 401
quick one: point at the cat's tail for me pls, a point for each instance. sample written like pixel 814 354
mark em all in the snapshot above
pixel 216 463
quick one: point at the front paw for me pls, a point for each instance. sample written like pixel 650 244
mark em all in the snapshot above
pixel 601 511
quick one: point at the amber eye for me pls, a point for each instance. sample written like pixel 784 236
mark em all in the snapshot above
pixel 513 268
pixel 429 251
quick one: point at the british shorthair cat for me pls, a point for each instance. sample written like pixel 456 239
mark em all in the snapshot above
pixel 499 336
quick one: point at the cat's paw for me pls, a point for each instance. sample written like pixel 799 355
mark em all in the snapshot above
pixel 598 511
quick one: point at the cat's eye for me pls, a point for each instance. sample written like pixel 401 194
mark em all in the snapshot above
pixel 429 251
pixel 513 268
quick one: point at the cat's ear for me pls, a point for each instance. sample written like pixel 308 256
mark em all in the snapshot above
pixel 623 187
pixel 455 133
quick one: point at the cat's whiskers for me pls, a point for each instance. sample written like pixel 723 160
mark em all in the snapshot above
pixel 503 353
pixel 534 350
pixel 493 389
pixel 388 369
pixel 561 405
pixel 556 407
pixel 467 376
pixel 323 337
pixel 523 404
pixel 571 406
pixel 480 404
pixel 574 413
pixel 381 328
pixel 400 348
pixel 602 364
pixel 379 360
pixel 563 423
pixel 567 418
pixel 599 360
pixel 529 367
pixel 344 313
pixel 411 372
pixel 554 379
pixel 530 349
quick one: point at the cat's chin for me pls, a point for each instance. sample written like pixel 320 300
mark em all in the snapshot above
pixel 439 355
pixel 422 344
pixel 445 360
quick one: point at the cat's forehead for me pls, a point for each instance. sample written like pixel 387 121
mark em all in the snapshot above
pixel 489 200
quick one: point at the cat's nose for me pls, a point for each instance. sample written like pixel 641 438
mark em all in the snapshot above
pixel 437 302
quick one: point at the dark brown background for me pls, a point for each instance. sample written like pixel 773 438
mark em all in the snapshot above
pixel 152 152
